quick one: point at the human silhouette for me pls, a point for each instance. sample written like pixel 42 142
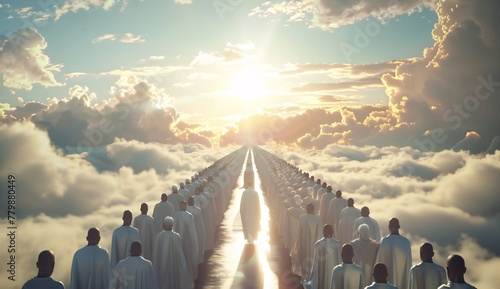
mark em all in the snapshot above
pixel 455 267
pixel 427 274
pixel 45 264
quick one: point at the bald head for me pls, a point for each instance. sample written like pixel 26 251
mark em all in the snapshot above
pixel 168 223
pixel 347 253
pixel 135 249
pixel 328 231
pixel 350 202
pixel 182 206
pixel 426 252
pixel 455 266
pixel 127 218
pixel 164 197
pixel 365 211
pixel 93 236
pixel 310 208
pixel 394 226
pixel 338 194
pixel 144 208
pixel 191 201
pixel 380 273
pixel 45 263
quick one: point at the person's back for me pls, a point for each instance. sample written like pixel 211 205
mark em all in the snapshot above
pixel 122 239
pixel 45 265
pixel 347 275
pixel 134 271
pixel 145 224
pixel 90 267
pixel 427 274
pixel 455 267
pixel 380 276
pixel 162 210
pixel 326 257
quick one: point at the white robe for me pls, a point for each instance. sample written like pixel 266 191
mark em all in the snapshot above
pixel 200 231
pixel 395 252
pixel 309 232
pixel 381 286
pixel 365 252
pixel 184 225
pixel 160 212
pixel 427 276
pixel 453 285
pixel 346 225
pixel 45 283
pixel 333 216
pixel 169 262
pixel 347 276
pixel 372 223
pixel 146 226
pixel 202 203
pixel 175 199
pixel 326 257
pixel 324 206
pixel 122 238
pixel 133 273
pixel 292 225
pixel 250 214
pixel 90 268
pixel 185 193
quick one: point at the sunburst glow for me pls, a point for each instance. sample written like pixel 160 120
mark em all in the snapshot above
pixel 249 84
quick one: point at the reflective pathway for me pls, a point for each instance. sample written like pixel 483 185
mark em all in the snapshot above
pixel 236 264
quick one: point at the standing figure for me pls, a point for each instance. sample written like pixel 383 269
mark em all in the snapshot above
pixel 250 212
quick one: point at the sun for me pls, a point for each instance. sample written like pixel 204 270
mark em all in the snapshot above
pixel 248 84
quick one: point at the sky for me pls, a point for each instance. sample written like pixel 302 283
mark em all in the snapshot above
pixel 394 102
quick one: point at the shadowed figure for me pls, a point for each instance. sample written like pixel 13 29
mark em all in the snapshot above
pixel 455 267
pixel 122 239
pixel 380 275
pixel 347 275
pixel 145 224
pixel 45 264
pixel 348 217
pixel 162 210
pixel 371 222
pixel 365 252
pixel 250 211
pixel 427 274
pixel 90 267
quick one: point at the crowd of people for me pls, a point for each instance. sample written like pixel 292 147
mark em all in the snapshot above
pixel 332 243
pixel 340 246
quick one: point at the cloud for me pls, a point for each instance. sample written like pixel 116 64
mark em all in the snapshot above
pixel 338 86
pixel 183 1
pixel 155 57
pixel 76 5
pixel 233 53
pixel 328 14
pixel 23 62
pixel 123 38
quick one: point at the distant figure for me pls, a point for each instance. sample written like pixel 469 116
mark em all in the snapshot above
pixel 91 267
pixel 292 217
pixel 395 252
pixel 185 227
pixel 162 209
pixel 380 275
pixel 371 222
pixel 335 208
pixel 316 188
pixel 348 216
pixel 200 228
pixel 204 204
pixel 427 274
pixel 324 204
pixel 122 239
pixel 326 257
pixel 134 271
pixel 169 262
pixel 365 252
pixel 309 232
pixel 183 191
pixel 175 198
pixel 310 198
pixel 146 226
pixel 321 192
pixel 45 265
pixel 455 266
pixel 347 275
pixel 250 212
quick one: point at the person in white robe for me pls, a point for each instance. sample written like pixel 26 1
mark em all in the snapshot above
pixel 380 276
pixel 90 267
pixel 201 202
pixel 122 239
pixel 455 267
pixel 427 274
pixel 162 210
pixel 250 212
pixel 309 232
pixel 326 257
pixel 365 252
pixel 45 264
pixel 189 186
pixel 347 218
pixel 324 205
pixel 292 220
pixel 175 198
pixel 310 199
pixel 133 272
pixel 371 222
pixel 316 188
pixel 185 227
pixel 145 224
pixel 321 192
pixel 395 252
pixel 336 206
pixel 347 275
pixel 200 228
pixel 183 191
pixel 169 262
